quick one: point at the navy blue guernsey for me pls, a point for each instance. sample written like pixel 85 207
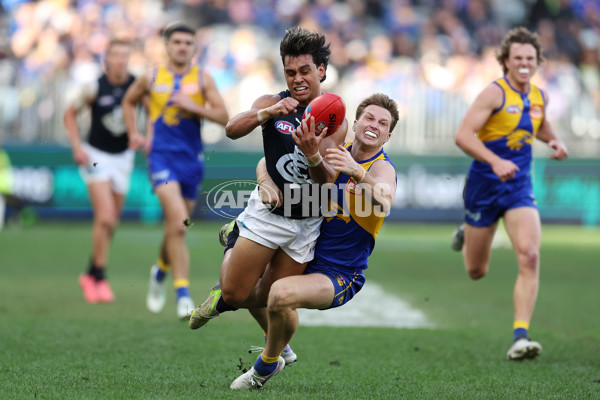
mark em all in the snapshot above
pixel 287 166
pixel 108 132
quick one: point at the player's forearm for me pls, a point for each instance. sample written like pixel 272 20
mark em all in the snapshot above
pixel 379 193
pixel 319 170
pixel 242 124
pixel 70 121
pixel 545 133
pixel 218 115
pixel 475 148
pixel 128 107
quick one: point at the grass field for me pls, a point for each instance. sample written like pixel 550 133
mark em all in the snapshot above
pixel 54 346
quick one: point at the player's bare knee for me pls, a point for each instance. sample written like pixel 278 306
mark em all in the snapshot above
pixel 529 260
pixel 107 223
pixel 477 272
pixel 278 297
pixel 232 297
pixel 177 229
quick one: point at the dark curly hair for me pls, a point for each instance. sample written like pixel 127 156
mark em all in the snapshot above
pixel 298 41
pixel 518 35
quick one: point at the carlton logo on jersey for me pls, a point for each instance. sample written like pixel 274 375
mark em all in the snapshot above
pixel 285 127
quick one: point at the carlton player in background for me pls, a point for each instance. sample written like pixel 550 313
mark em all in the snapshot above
pixel 104 159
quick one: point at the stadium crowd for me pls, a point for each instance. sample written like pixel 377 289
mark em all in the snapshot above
pixel 431 53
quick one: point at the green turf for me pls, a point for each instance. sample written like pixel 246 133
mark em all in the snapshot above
pixel 54 346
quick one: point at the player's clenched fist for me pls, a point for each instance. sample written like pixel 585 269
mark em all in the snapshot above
pixel 283 107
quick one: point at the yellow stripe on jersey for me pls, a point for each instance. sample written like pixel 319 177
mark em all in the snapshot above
pixel 162 89
pixel 510 121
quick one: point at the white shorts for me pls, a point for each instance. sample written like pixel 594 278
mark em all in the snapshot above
pixel 297 237
pixel 115 168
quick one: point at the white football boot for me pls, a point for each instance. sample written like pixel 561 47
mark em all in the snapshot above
pixel 157 292
pixel 524 348
pixel 250 380
pixel 458 238
pixel 185 307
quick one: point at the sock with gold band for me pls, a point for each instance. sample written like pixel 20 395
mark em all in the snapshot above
pixel 266 365
pixel 520 329
pixel 181 288
pixel 163 268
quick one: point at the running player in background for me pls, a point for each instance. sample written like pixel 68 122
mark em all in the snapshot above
pixel 294 162
pixel 498 131
pixel 105 161
pixel 364 189
pixel 181 95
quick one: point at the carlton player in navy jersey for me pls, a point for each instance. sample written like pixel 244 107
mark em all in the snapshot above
pixel 498 131
pixel 105 161
pixel 282 237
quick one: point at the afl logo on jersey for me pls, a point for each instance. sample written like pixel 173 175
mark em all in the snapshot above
pixel 285 127
pixel 513 109
pixel 106 100
pixel 162 88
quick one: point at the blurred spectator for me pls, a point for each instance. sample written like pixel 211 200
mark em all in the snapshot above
pixel 427 54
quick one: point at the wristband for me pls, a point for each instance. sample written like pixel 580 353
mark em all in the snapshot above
pixel 265 175
pixel 364 173
pixel 263 115
pixel 314 160
pixel 264 179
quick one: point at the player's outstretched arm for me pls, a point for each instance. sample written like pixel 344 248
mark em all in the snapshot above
pixel 134 95
pixel 263 109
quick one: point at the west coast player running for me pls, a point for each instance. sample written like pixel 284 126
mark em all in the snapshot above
pixel 498 131
pixel 181 95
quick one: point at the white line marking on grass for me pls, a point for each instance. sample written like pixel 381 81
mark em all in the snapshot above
pixel 370 307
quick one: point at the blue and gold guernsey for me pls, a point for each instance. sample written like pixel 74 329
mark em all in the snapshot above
pixel 511 129
pixel 175 129
pixel 349 229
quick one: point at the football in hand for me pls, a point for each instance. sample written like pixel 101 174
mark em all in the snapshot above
pixel 329 112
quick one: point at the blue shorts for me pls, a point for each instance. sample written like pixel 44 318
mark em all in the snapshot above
pixel 487 200
pixel 345 283
pixel 180 167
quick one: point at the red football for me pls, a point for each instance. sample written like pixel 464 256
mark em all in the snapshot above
pixel 328 110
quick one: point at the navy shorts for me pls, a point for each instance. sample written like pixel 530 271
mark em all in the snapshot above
pixel 487 200
pixel 346 283
pixel 183 168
